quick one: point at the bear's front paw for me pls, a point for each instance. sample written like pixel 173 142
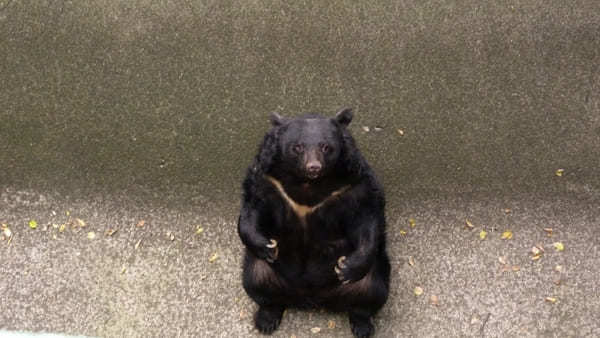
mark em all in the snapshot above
pixel 272 251
pixel 341 270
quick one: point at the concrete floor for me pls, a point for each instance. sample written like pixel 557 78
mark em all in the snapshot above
pixel 126 126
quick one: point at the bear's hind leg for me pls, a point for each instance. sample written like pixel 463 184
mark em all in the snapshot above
pixel 267 290
pixel 268 318
pixel 362 300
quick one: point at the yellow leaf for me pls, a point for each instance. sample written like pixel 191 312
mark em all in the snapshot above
pixel 558 246
pixel 213 257
pixel 91 235
pixel 33 224
pixel 199 230
pixel 482 234
pixel 412 222
pixel 560 172
pixel 469 224
pixel 551 300
pixel 80 222
pixel 507 234
pixel 418 291
pixel 402 232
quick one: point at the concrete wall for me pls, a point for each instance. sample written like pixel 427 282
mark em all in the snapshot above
pixel 166 95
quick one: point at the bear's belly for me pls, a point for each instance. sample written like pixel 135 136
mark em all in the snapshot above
pixel 311 266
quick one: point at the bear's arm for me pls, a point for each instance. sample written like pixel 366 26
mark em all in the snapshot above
pixel 252 238
pixel 364 231
pixel 365 238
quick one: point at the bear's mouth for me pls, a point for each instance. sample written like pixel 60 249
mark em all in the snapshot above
pixel 313 175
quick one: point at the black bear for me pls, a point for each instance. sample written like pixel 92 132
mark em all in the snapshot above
pixel 313 224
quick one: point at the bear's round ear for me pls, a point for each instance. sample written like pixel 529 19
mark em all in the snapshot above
pixel 277 120
pixel 344 116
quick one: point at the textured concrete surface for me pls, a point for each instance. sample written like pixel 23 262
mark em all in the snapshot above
pixel 125 111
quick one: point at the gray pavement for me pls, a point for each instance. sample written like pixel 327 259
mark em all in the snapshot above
pixel 126 126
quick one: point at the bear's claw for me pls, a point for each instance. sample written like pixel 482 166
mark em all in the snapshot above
pixel 341 265
pixel 273 251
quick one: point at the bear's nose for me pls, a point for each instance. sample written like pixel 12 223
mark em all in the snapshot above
pixel 313 167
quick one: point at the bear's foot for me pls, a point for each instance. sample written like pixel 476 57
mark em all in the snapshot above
pixel 268 318
pixel 361 326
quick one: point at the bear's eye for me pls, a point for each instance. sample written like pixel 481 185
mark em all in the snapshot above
pixel 325 148
pixel 298 148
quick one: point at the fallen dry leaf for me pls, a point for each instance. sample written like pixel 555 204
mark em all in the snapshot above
pixel 91 235
pixel 558 246
pixel 401 132
pixel 502 260
pixel 412 222
pixel 140 224
pixel 434 300
pixel 469 224
pixel 548 231
pixel 560 172
pixel 516 268
pixel 315 330
pixel 418 291
pixel 536 251
pixel 551 300
pixel 243 314
pixel 331 324
pixel 558 268
pixel 62 227
pixel 482 234
pixel 366 129
pixel 213 257
pixel 403 232
pixel 536 257
pixel 199 230
pixel 80 222
pixel 507 235
pixel 137 245
pixel 6 231
pixel 411 261
pixel 110 232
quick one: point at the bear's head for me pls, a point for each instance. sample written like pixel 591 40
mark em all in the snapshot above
pixel 310 147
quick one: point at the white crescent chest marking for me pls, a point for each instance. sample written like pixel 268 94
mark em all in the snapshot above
pixel 299 209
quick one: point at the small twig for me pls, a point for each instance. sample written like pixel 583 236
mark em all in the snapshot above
pixel 485 320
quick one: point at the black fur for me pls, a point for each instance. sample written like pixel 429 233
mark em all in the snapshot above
pixel 302 266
